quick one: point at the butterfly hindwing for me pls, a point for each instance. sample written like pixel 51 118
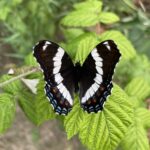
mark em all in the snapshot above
pixel 58 73
pixel 96 76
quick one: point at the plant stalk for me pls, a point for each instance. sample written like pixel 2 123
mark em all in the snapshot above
pixel 19 77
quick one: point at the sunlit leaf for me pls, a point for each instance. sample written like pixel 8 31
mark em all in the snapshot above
pixel 43 108
pixel 81 19
pixel 76 49
pixel 36 107
pixel 85 46
pixel 7 111
pixel 12 87
pixel 108 17
pixel 26 101
pixel 144 115
pixel 72 33
pixel 126 48
pixel 136 137
pixel 87 16
pixel 104 130
pixel 138 88
pixel 92 6
pixel 72 121
pixel 30 60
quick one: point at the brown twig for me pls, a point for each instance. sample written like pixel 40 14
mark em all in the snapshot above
pixel 99 29
pixel 148 103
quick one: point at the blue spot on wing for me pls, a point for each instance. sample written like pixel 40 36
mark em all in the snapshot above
pixel 57 108
pixel 64 111
pixel 95 107
pixel 91 108
pixel 50 96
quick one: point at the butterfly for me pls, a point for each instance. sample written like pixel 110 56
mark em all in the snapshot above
pixel 92 80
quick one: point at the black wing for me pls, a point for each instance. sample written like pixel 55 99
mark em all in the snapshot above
pixel 58 72
pixel 96 76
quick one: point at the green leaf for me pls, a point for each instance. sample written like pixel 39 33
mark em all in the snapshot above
pixel 36 107
pixel 85 46
pixel 30 60
pixel 126 48
pixel 26 102
pixel 72 33
pixel 43 108
pixel 80 19
pixel 108 17
pixel 142 69
pixel 136 137
pixel 73 120
pixel 13 87
pixel 144 115
pixel 7 111
pixel 92 6
pixel 104 130
pixel 139 140
pixel 138 88
pixel 86 14
pixel 75 48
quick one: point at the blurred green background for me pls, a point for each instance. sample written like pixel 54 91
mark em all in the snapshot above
pixel 24 22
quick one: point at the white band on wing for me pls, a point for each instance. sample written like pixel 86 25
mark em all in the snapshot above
pixel 98 78
pixel 57 76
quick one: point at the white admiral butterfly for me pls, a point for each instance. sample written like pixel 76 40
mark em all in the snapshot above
pixel 93 79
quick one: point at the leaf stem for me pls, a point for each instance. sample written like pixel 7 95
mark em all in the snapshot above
pixel 19 77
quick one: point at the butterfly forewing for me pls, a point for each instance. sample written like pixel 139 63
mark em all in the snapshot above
pixel 96 76
pixel 58 72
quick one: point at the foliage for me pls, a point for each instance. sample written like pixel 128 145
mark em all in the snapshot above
pixel 36 110
pixel 110 125
pixel 89 15
pixel 136 137
pixel 135 23
pixel 29 21
pixel 7 111
pixel 125 118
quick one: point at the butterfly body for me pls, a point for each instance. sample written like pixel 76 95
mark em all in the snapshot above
pixel 92 80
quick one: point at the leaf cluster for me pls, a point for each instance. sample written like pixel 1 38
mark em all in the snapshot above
pixel 125 119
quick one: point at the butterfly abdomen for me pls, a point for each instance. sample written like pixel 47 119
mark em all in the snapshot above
pixel 77 76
